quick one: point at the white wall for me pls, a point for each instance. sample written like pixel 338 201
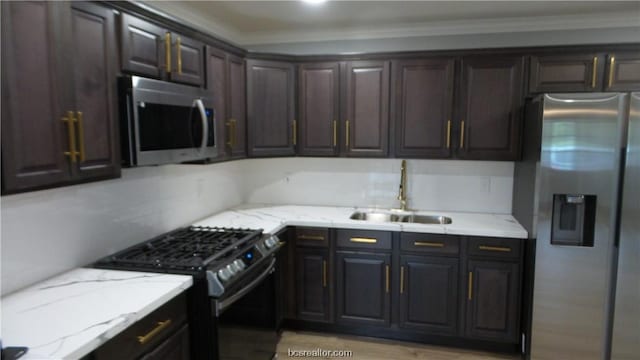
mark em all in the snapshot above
pixel 48 232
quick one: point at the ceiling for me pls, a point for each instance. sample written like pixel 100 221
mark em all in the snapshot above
pixel 264 22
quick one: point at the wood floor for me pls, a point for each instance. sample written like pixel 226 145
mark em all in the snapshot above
pixel 375 349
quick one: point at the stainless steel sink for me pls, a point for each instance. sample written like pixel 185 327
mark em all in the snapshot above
pixel 376 216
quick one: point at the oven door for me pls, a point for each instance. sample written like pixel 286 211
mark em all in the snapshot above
pixel 246 320
pixel 171 125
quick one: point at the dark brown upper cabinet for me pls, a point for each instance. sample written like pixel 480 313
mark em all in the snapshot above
pixel 154 51
pixel 366 103
pixel 489 107
pixel 226 83
pixel 270 108
pixel 623 71
pixel 566 73
pixel 422 107
pixel 59 93
pixel 319 109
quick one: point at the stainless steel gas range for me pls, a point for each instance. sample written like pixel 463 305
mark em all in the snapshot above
pixel 233 297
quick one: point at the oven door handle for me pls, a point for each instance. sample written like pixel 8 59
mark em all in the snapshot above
pixel 205 125
pixel 222 305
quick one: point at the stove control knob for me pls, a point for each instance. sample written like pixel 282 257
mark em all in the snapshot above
pixel 271 242
pixel 239 264
pixel 231 269
pixel 224 275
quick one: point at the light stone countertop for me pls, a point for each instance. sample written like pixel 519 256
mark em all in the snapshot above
pixel 273 218
pixel 72 314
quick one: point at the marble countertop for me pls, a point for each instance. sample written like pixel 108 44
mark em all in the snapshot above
pixel 273 218
pixel 70 315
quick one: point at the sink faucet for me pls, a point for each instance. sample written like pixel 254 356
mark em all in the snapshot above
pixel 402 196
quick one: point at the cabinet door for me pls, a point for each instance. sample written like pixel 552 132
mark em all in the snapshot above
pixel 237 106
pixel 490 108
pixel 566 73
pixel 493 301
pixel 319 104
pixel 623 72
pixel 429 294
pixel 270 97
pixel 176 347
pixel 422 109
pixel 94 74
pixel 143 48
pixel 363 288
pixel 367 109
pixel 312 284
pixel 187 56
pixel 35 97
pixel 217 88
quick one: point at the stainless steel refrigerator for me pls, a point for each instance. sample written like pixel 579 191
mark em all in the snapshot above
pixel 582 210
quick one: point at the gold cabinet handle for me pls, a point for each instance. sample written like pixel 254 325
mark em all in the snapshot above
pixel 231 126
pixel 311 237
pixel 462 134
pixel 335 133
pixel 428 244
pixel 80 122
pixel 363 240
pixel 401 279
pixel 71 134
pixel 594 72
pixel 494 248
pixel 324 273
pixel 167 50
pixel 448 134
pixel 161 325
pixel 612 62
pixel 386 271
pixel 229 131
pixel 294 126
pixel 179 54
pixel 346 135
pixel 470 286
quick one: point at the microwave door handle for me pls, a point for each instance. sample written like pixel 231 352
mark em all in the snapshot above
pixel 205 125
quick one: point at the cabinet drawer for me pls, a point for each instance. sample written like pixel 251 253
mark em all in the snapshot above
pixel 429 243
pixel 312 237
pixel 146 334
pixel 495 247
pixel 364 239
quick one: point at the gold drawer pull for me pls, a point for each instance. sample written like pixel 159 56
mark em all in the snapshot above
pixel 428 244
pixel 470 286
pixel 160 326
pixel 494 248
pixel 594 72
pixel 401 279
pixel 311 237
pixel 363 240
pixel 324 273
pixel 612 62
pixel 167 51
pixel 179 55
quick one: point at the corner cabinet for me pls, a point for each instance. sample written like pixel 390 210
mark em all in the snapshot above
pixel 489 111
pixel 59 110
pixel 270 108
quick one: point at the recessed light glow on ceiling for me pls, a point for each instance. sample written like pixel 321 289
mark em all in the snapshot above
pixel 314 2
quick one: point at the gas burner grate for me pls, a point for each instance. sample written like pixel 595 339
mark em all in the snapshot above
pixel 190 248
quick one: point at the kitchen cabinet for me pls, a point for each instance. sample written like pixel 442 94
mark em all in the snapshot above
pixel 319 108
pixel 163 334
pixel 63 56
pixel 312 284
pixel 489 107
pixel 429 294
pixel 151 50
pixel 493 289
pixel 226 83
pixel 363 294
pixel 366 103
pixel 623 71
pixel 270 108
pixel 422 107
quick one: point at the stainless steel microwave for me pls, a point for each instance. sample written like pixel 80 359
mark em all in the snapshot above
pixel 165 123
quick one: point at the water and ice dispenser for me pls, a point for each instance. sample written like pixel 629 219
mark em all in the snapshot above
pixel 573 219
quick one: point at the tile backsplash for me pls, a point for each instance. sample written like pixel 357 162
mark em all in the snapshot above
pixel 47 232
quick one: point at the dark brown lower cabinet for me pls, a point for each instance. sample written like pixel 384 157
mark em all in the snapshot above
pixel 429 294
pixel 176 347
pixel 493 292
pixel 363 288
pixel 312 284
